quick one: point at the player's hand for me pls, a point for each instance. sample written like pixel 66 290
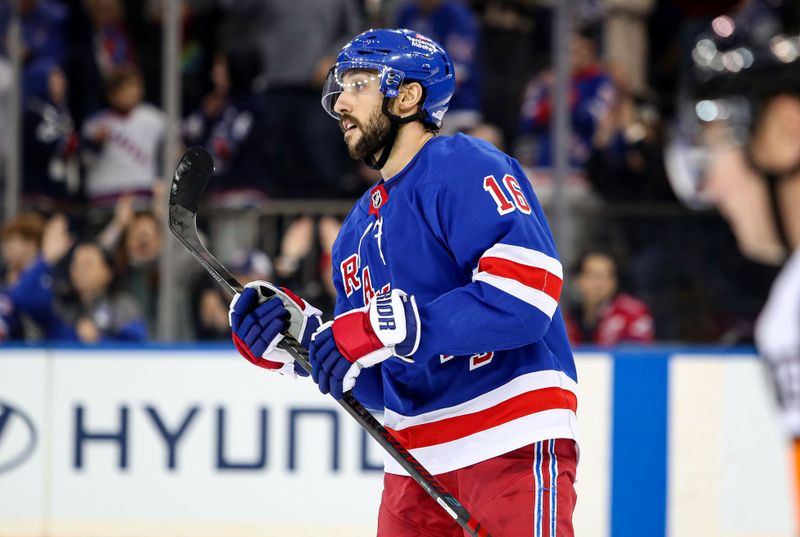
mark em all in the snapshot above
pixel 388 326
pixel 258 324
pixel 56 240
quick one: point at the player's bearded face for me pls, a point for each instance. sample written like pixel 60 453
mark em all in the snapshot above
pixel 373 136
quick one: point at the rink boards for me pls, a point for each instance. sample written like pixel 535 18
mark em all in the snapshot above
pixel 194 441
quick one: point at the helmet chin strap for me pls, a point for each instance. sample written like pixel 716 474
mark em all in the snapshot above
pixel 394 128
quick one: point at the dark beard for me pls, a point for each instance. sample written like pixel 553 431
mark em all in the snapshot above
pixel 374 136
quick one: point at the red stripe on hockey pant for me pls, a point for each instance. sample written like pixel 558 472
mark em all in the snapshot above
pixel 449 429
pixel 498 492
pixel 534 277
pixel 541 471
pixel 553 487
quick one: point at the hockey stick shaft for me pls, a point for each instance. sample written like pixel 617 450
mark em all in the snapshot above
pixel 188 185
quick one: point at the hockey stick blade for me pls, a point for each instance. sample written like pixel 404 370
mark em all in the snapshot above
pixel 191 178
pixel 188 186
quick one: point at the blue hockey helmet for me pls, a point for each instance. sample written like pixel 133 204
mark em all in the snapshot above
pixel 397 56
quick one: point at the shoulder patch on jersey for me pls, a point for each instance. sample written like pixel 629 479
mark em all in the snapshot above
pixel 378 198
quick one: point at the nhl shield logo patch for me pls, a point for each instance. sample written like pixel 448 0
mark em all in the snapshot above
pixel 378 198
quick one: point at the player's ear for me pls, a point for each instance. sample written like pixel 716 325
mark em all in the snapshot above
pixel 410 97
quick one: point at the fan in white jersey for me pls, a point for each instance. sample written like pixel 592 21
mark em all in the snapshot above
pixel 124 141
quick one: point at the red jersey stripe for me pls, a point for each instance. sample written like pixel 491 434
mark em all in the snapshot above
pixel 449 429
pixel 534 277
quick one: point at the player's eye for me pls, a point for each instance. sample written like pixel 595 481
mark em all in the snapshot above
pixel 357 85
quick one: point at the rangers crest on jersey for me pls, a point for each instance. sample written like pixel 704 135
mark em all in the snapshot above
pixel 362 268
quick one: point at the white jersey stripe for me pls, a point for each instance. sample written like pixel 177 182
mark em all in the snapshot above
pixel 526 256
pixel 517 386
pixel 441 458
pixel 534 297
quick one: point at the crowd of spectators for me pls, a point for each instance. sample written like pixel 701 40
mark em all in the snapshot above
pixel 81 260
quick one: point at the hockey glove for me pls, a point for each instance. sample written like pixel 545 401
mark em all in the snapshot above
pixel 388 326
pixel 258 325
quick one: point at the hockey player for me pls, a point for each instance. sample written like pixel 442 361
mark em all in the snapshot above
pixel 447 314
pixel 745 109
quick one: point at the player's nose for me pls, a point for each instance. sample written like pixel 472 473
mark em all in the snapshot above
pixel 342 104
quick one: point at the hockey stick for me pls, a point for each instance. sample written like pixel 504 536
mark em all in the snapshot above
pixel 188 185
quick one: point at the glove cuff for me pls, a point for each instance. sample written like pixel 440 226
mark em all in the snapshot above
pixel 410 345
pixel 354 335
pixel 388 326
pixel 395 319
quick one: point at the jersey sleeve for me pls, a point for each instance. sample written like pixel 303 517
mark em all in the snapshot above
pixel 496 231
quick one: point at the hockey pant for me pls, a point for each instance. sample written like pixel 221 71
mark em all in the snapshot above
pixel 524 493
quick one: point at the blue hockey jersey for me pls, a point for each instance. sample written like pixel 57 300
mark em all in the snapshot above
pixel 461 229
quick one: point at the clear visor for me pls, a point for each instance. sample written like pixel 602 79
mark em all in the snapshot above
pixel 704 132
pixel 357 78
